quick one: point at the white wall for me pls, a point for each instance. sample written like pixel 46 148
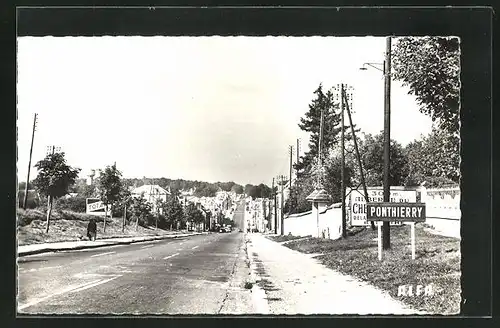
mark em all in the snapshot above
pixel 330 224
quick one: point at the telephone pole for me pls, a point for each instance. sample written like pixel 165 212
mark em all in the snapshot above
pixel 281 205
pixel 275 211
pixel 29 165
pixel 386 232
pixel 290 182
pixel 298 151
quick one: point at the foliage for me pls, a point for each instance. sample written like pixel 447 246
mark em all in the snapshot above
pixel 173 211
pixel 32 202
pixel 333 180
pixel 201 188
pixel 311 123
pixel 83 190
pixel 434 159
pixel 260 191
pixel 140 210
pixel 124 199
pixel 237 188
pixel 193 214
pixel 372 155
pixel 430 67
pixel 75 204
pixel 54 176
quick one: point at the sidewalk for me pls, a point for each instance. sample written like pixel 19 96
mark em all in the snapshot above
pixel 85 244
pixel 296 283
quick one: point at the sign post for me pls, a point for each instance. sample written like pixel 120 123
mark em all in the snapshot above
pixel 413 240
pixel 379 239
pixel 400 212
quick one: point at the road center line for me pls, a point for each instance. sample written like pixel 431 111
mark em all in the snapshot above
pixel 100 282
pixel 147 246
pixel 195 247
pixel 102 254
pixel 170 256
pixel 66 290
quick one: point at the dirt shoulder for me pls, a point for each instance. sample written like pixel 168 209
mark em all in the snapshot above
pixel 437 265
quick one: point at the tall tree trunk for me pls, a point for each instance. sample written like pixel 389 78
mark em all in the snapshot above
pixel 124 218
pixel 137 224
pixel 105 215
pixel 49 211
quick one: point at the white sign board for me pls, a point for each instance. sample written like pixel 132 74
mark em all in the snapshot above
pixel 357 206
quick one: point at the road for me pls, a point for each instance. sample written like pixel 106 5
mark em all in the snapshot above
pixel 197 274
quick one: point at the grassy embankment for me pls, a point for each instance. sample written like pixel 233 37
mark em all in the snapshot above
pixel 72 226
pixel 437 264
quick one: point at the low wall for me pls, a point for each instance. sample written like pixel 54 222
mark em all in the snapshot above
pixel 304 224
pixel 442 208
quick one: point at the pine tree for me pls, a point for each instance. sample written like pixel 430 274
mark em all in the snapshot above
pixel 311 123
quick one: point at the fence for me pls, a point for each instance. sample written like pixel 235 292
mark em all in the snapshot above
pixel 304 224
pixel 442 206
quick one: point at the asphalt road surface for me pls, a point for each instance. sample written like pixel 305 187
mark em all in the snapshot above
pixel 175 276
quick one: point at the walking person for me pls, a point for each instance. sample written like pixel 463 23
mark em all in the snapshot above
pixel 92 229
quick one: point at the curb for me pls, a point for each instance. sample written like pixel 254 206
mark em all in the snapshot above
pixel 258 294
pixel 104 244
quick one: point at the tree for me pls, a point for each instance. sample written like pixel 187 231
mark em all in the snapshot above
pixel 434 159
pixel 311 123
pixel 193 214
pixel 109 187
pixel 237 189
pixel 140 210
pixel 333 180
pixel 430 67
pixel 372 156
pixel 54 179
pixel 173 210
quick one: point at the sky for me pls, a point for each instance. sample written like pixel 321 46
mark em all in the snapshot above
pixel 197 108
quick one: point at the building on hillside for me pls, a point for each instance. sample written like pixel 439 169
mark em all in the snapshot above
pixel 152 193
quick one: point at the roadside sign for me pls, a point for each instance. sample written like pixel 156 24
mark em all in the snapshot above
pixel 399 212
pixel 95 207
pixel 356 212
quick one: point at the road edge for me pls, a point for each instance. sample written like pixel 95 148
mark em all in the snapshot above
pixel 259 296
pixel 102 244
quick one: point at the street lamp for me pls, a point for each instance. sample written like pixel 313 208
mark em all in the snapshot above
pixel 364 68
pixel 386 70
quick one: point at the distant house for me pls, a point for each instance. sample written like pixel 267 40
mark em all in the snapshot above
pixel 152 193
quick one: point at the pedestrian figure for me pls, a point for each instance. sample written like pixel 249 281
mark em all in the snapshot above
pixel 92 229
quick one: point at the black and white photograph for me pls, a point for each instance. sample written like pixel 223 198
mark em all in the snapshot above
pixel 238 175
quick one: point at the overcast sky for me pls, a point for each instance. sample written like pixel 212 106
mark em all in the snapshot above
pixel 199 108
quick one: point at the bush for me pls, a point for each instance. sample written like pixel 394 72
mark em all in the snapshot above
pixel 75 204
pixel 32 202
pixel 25 217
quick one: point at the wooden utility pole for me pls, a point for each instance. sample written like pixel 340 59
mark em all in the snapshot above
pixel 281 212
pixel 342 174
pixel 320 142
pixel 290 183
pixel 386 232
pixel 298 151
pixel 275 210
pixel 356 149
pixel 29 165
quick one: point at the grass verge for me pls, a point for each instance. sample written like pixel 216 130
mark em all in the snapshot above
pixel 437 265
pixel 284 238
